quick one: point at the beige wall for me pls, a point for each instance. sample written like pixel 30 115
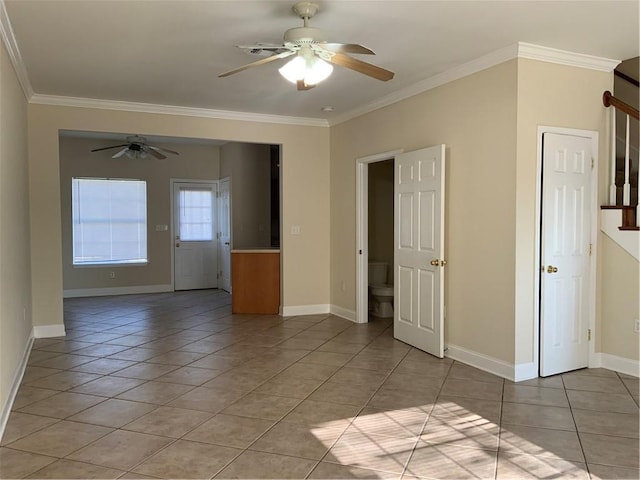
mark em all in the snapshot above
pixel 559 96
pixel 305 193
pixel 620 302
pixel 15 279
pixel 197 162
pixel 380 220
pixel 475 117
pixel 249 167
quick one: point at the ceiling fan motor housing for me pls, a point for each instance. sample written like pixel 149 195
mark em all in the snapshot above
pixel 303 35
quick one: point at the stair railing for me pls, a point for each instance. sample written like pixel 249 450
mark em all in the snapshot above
pixel 610 101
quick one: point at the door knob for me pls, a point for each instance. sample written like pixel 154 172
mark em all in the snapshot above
pixel 435 263
pixel 226 243
pixel 177 244
pixel 552 269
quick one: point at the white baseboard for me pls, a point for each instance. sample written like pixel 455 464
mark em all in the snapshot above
pixel 481 361
pixel 615 363
pixel 342 312
pixel 48 331
pixel 107 291
pixel 304 310
pixel 15 384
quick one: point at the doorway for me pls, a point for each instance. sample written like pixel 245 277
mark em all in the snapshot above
pixel 566 249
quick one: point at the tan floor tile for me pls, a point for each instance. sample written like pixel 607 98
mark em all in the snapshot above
pixel 121 449
pixel 390 423
pixel 443 461
pixel 607 423
pixel 327 358
pixel 185 459
pixel 177 358
pixel 552 397
pixel 103 366
pixel 69 469
pixel 206 399
pixel 358 376
pixel 63 380
pixel 310 371
pixel 418 383
pixel 237 380
pixel 540 442
pixel 602 472
pixel 608 450
pixel 37 356
pixel 22 424
pixel 461 433
pixel 168 422
pixel 214 361
pixel 467 408
pixel 252 464
pixel 333 470
pixel 155 392
pixel 593 383
pixel 373 362
pixel 387 454
pixel 547 382
pixel 298 440
pixel 340 347
pixel 32 373
pixel 257 405
pixel 230 430
pixel 537 416
pixel 343 393
pixel 64 361
pixel 145 371
pixel 17 464
pixel 108 386
pixel 465 372
pixel 113 413
pixel 602 402
pixel 454 387
pixel 289 387
pixel 310 412
pixel 529 467
pixel 60 439
pixel 62 405
pixel 428 368
pixel 28 395
pixel 101 350
pixel 136 354
pixel 395 399
pixel 189 376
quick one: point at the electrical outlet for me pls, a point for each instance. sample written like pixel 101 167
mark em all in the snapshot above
pixel 636 326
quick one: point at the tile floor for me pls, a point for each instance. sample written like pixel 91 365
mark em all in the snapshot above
pixel 174 386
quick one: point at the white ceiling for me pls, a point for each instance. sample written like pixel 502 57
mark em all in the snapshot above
pixel 169 52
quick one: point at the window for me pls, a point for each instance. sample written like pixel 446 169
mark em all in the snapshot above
pixel 109 221
pixel 196 214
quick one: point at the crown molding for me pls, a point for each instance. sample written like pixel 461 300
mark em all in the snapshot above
pixel 57 100
pixel 517 50
pixel 9 39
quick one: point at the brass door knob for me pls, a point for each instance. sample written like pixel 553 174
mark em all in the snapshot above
pixel 552 269
pixel 177 244
pixel 435 263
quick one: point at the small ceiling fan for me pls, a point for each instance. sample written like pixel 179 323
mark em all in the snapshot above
pixel 313 54
pixel 137 147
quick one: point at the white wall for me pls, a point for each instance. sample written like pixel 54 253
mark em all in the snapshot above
pixel 15 278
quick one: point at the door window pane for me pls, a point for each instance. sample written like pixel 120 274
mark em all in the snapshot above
pixel 196 219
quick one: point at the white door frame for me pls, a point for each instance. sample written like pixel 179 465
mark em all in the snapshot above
pixel 172 226
pixel 362 230
pixel 594 205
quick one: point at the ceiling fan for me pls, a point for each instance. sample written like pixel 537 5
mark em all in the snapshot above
pixel 314 56
pixel 137 147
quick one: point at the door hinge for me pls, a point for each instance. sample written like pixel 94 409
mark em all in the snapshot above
pixel 590 249
pixel 589 334
pixel 592 163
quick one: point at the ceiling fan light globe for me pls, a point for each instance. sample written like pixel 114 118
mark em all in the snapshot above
pixel 317 71
pixel 294 70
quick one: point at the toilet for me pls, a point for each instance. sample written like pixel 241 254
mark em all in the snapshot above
pixel 380 292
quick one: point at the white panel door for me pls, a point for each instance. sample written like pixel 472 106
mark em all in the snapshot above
pixel 224 223
pixel 565 242
pixel 195 245
pixel 419 249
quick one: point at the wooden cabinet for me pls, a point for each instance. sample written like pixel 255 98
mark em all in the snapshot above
pixel 255 281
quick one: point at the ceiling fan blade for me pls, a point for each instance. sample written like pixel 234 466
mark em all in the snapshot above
pixel 107 148
pixel 121 152
pixel 162 149
pixel 347 48
pixel 362 67
pixel 154 152
pixel 259 62
pixel 261 46
pixel 303 86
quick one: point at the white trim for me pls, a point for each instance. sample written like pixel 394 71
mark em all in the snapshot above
pixel 15 384
pixel 615 363
pixel 296 310
pixel 342 313
pixel 49 331
pixel 9 39
pixel 594 136
pixel 362 230
pixel 107 291
pixel 563 57
pixel 525 371
pixel 119 105
pixel 518 50
pixel 481 361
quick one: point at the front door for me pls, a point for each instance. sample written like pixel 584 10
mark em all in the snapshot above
pixel 565 251
pixel 419 249
pixel 195 242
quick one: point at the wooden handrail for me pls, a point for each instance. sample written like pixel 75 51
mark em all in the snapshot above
pixel 609 100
